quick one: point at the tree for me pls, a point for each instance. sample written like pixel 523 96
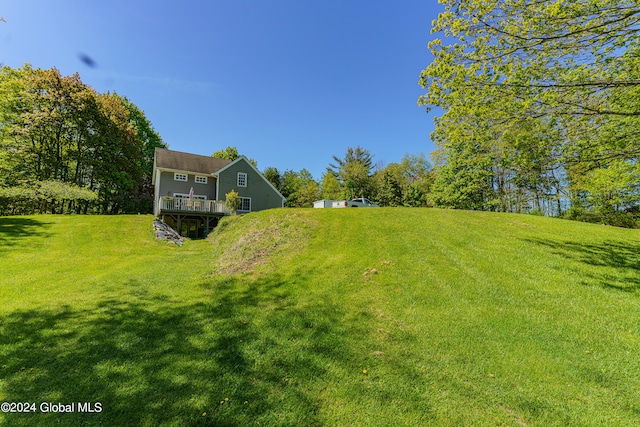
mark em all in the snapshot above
pixel 231 153
pixel 463 179
pixel 299 188
pixel 415 168
pixel 417 173
pixel 232 201
pixel 554 55
pixel 116 156
pixel 404 184
pixel 613 188
pixel 146 135
pixel 331 188
pixel 55 128
pixel 12 89
pixel 308 189
pixel 414 197
pixel 55 114
pixel 388 189
pixel 272 175
pixel 561 78
pixel 45 196
pixel 354 172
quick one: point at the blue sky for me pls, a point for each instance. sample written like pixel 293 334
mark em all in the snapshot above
pixel 288 82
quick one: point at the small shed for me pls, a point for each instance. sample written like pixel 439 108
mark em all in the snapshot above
pixel 322 203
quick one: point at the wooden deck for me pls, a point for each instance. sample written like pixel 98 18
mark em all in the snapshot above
pixel 193 218
pixel 179 205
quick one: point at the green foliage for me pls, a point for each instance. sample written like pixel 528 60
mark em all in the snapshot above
pixel 56 128
pixel 388 190
pixel 414 197
pixel 550 89
pixel 232 201
pixel 300 189
pixel 12 84
pixel 463 182
pixel 609 188
pixel 272 174
pixel 145 134
pixel 331 188
pixel 117 155
pixel 231 153
pixel 56 190
pixel 44 196
pixel 415 168
pixel 354 172
pixel 458 318
pixel 407 183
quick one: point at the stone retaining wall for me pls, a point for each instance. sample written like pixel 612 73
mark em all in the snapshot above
pixel 163 231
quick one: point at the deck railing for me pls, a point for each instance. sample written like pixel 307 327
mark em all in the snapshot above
pixel 181 204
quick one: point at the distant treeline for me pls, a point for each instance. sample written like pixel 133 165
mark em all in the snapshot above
pixel 406 183
pixel 65 148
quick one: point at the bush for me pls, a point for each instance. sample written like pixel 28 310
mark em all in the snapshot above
pixel 59 197
pixel 232 201
pixel 626 219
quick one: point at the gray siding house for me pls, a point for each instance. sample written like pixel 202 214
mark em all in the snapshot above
pixel 189 190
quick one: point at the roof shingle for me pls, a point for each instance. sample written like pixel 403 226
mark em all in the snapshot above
pixel 177 160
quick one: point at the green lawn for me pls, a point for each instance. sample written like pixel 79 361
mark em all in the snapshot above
pixel 352 317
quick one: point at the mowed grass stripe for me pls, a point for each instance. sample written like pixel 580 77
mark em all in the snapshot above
pixel 323 317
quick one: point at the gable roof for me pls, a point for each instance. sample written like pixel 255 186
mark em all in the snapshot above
pixel 179 161
pixel 246 160
pixel 186 162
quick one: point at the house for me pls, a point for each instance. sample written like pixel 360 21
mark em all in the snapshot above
pixel 189 190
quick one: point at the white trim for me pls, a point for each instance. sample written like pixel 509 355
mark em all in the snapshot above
pixel 242 200
pixel 182 171
pixel 200 177
pixel 217 187
pixel 177 176
pixel 243 177
pixel 217 174
pixel 156 192
pixel 186 196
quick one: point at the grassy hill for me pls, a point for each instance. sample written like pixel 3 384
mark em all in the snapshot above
pixel 322 317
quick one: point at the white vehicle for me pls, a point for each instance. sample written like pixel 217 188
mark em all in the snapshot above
pixel 355 203
pixel 323 203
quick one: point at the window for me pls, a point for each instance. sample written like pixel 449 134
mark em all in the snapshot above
pixel 245 204
pixel 180 177
pixel 242 179
pixel 201 179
